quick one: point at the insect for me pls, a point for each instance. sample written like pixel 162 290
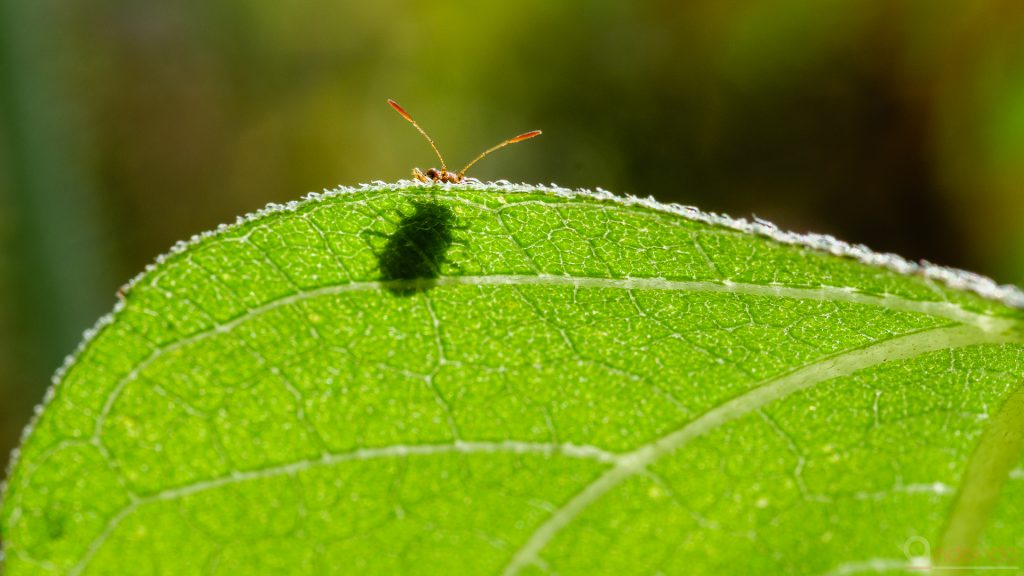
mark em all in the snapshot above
pixel 443 175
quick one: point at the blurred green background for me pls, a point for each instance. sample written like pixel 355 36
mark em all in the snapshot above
pixel 125 126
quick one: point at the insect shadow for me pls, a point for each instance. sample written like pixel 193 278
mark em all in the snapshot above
pixel 411 259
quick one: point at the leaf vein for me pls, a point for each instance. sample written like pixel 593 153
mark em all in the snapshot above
pixel 575 451
pixel 637 461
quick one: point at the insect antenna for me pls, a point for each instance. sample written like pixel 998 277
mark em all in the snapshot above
pixel 519 138
pixel 405 115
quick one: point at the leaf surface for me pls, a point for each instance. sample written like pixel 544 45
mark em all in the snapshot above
pixel 510 380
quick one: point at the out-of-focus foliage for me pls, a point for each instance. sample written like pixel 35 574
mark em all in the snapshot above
pixel 134 124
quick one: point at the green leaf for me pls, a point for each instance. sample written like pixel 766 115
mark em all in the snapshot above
pixel 500 379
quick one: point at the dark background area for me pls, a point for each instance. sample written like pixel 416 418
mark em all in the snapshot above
pixel 126 126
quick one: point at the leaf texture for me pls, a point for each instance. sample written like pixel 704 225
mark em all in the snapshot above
pixel 519 380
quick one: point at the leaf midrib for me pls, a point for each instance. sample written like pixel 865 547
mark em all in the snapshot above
pixel 987 323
